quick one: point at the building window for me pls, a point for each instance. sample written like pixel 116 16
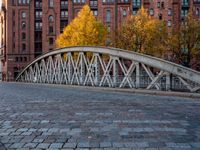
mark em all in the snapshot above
pixel 79 1
pixel 50 29
pixel 50 18
pixel 50 3
pixel 38 4
pixel 160 16
pixel 136 3
pixel 169 12
pixel 124 13
pixel 64 3
pixel 50 41
pixel 23 47
pixel 184 13
pixel 108 16
pixel 38 25
pixel 163 5
pixel 108 28
pixel 23 36
pixel 23 25
pixel 134 12
pixel 95 13
pixel 64 14
pixel 185 2
pixel 169 23
pixel 197 11
pixel 93 3
pixel 13 13
pixel 108 1
pixel 23 14
pixel 38 14
pixel 158 4
pixel 151 12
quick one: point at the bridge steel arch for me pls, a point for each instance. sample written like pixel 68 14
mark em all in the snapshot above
pixel 109 67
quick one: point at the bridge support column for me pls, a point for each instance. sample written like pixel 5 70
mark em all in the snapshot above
pixel 168 81
pixel 82 68
pixel 137 75
pixel 69 68
pixel 115 72
pixel 97 70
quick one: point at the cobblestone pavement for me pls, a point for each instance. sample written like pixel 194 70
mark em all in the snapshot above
pixel 57 117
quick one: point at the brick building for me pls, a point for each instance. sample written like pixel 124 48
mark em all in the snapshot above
pixel 29 28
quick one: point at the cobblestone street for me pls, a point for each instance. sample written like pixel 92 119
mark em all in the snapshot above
pixel 61 117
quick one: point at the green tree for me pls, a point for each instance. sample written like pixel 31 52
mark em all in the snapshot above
pixel 185 42
pixel 83 30
pixel 142 33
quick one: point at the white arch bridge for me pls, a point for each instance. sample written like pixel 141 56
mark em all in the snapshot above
pixel 109 67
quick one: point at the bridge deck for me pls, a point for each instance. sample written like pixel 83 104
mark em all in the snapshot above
pixel 49 116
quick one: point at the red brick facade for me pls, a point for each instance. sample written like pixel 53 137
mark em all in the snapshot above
pixel 29 28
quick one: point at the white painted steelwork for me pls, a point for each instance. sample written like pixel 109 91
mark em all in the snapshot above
pixel 112 67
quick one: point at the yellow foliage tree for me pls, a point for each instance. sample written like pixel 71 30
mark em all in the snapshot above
pixel 184 42
pixel 85 29
pixel 142 33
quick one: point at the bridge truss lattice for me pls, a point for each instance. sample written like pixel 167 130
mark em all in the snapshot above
pixel 109 67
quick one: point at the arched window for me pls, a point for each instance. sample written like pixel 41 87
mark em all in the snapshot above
pixel 23 25
pixel 197 11
pixel 23 14
pixel 50 18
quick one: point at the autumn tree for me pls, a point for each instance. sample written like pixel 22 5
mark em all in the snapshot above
pixel 142 33
pixel 85 29
pixel 185 42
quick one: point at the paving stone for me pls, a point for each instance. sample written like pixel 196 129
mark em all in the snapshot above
pixel 105 144
pixel 157 144
pixel 124 148
pixel 16 133
pixel 118 144
pixel 94 145
pixel 27 139
pixel 53 130
pixel 47 133
pixel 43 129
pixel 43 145
pixel 26 133
pixel 38 140
pixel 83 145
pixel 30 145
pixel 15 139
pixel 32 130
pixel 56 145
pixel 22 130
pixel 110 148
pixel 17 145
pixel 70 145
